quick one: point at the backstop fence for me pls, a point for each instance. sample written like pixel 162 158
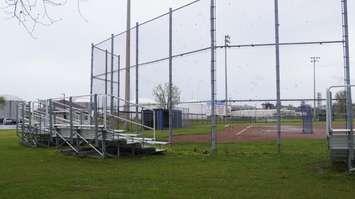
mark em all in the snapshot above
pixel 258 62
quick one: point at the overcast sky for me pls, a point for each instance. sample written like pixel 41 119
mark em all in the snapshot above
pixel 58 61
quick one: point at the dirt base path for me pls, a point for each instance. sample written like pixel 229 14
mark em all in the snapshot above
pixel 252 132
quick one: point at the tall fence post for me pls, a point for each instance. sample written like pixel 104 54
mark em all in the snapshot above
pixel 23 121
pixel 30 116
pixel 17 118
pixel 128 64
pixel 96 121
pixel 118 88
pixel 112 71
pixel 106 88
pixel 50 114
pixel 213 77
pixel 106 72
pixel 329 111
pixel 347 81
pixel 104 111
pixel 170 76
pixel 137 71
pixel 118 102
pixel 278 96
pixel 71 119
pixel 103 142
pixel 91 82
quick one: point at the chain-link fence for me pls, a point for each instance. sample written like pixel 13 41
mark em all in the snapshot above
pixel 176 47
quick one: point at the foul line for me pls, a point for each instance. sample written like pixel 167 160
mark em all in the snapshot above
pixel 244 130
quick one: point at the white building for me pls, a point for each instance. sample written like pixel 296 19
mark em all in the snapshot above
pixel 8 110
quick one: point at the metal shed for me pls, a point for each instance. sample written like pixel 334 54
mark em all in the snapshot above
pixel 8 110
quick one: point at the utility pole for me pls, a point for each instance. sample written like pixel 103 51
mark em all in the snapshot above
pixel 314 61
pixel 227 41
pixel 128 60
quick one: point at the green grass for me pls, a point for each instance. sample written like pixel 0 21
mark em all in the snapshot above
pixel 195 129
pixel 240 170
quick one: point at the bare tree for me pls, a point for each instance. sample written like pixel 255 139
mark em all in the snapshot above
pixel 340 105
pixel 31 13
pixel 161 94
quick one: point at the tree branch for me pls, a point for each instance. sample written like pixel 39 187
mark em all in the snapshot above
pixel 31 13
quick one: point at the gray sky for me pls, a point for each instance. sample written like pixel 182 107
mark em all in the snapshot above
pixel 58 60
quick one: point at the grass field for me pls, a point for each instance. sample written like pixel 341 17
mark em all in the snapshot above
pixel 195 129
pixel 240 170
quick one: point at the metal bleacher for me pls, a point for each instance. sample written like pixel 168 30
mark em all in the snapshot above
pixel 93 130
pixel 341 142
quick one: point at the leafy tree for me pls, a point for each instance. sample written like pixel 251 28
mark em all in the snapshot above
pixel 2 101
pixel 161 94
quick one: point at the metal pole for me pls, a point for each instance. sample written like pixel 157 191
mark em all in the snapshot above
pixel 170 76
pixel 103 142
pixel 23 121
pixel 106 71
pixel 154 123
pixel 278 95
pixel 50 104
pixel 314 60
pixel 128 59
pixel 91 82
pixel 112 69
pixel 226 43
pixel 17 109
pixel 71 119
pixel 348 84
pixel 213 77
pixel 329 112
pixel 30 116
pixel 103 130
pixel 104 105
pixel 104 109
pixel 96 121
pixel 314 90
pixel 118 87
pixel 137 71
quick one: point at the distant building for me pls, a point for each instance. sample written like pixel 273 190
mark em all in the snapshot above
pixel 219 108
pixel 319 100
pixel 8 110
pixel 268 106
pixel 264 113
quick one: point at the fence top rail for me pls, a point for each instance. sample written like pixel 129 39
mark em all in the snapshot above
pixel 73 97
pixel 130 103
pixel 89 95
pixel 69 106
pixel 108 51
pixel 252 45
pixel 148 21
pixel 338 86
pixel 282 44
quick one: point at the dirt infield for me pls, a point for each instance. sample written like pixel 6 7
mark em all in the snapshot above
pixel 252 132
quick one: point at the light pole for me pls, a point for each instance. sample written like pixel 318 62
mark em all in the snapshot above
pixel 128 61
pixel 227 41
pixel 314 60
